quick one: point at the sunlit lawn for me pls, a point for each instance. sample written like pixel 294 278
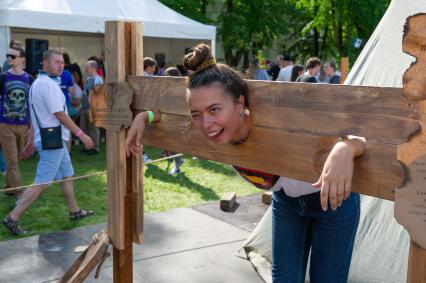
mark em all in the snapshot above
pixel 199 182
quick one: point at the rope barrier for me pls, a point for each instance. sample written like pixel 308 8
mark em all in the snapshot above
pixel 81 177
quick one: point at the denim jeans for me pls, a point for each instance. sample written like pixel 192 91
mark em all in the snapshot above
pixel 300 227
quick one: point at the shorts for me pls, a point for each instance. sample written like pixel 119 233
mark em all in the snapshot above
pixel 54 164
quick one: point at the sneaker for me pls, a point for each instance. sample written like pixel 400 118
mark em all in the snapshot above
pixel 13 226
pixel 146 158
pixel 175 170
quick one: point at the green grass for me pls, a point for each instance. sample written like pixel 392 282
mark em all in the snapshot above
pixel 199 182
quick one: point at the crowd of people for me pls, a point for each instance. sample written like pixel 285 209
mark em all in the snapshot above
pixel 284 69
pixel 45 115
pixel 34 116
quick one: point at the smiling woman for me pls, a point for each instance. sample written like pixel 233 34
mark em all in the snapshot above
pixel 321 217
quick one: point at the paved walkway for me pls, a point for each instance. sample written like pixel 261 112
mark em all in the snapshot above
pixel 188 245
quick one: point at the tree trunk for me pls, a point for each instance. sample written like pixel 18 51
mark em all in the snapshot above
pixel 203 8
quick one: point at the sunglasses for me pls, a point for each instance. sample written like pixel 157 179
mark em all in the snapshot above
pixel 12 56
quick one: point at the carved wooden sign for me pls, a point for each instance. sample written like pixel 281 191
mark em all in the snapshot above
pixel 410 201
pixel 110 106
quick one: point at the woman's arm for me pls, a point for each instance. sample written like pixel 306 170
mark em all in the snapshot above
pixel 336 178
pixel 135 133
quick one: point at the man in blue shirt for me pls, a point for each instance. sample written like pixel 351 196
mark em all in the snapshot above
pixel 66 85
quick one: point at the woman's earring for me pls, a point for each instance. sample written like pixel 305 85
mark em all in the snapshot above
pixel 242 113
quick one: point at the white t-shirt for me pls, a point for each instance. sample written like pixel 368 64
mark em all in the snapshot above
pixel 46 98
pixel 285 74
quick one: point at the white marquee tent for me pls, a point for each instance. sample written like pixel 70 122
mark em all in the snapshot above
pixel 381 246
pixel 82 19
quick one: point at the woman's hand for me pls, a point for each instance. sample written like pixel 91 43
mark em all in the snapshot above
pixel 336 178
pixel 134 135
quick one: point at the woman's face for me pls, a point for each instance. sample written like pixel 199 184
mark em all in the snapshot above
pixel 216 114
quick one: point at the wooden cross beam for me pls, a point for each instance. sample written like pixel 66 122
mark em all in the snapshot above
pixel 295 126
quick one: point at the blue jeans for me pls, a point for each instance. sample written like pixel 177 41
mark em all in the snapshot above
pixel 299 226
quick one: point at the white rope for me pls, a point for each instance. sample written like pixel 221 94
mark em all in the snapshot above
pixel 81 177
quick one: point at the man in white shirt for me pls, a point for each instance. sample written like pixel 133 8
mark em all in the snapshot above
pixel 48 110
pixel 285 72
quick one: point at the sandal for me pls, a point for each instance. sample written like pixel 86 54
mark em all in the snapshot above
pixel 80 214
pixel 13 226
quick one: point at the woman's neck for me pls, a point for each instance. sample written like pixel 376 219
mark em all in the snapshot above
pixel 245 129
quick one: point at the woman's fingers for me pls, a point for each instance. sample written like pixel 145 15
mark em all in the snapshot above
pixel 318 183
pixel 340 193
pixel 332 195
pixel 325 188
pixel 348 189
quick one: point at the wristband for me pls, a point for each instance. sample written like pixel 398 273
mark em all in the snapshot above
pixel 79 133
pixel 150 117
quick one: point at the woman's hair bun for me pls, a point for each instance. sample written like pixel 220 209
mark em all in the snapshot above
pixel 200 54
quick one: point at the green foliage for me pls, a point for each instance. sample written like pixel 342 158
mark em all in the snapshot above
pixel 322 28
pixel 328 27
pixel 194 9
pixel 248 26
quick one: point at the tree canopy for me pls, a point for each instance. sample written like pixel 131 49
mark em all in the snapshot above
pixel 303 28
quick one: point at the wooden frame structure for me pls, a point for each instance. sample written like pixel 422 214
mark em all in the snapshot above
pixel 294 123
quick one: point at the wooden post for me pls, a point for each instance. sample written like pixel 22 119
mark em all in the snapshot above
pixel 410 201
pixel 344 69
pixel 416 264
pixel 123 49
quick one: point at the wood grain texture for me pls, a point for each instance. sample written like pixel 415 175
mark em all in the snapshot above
pixel 382 114
pixel 297 124
pixel 416 264
pixel 116 184
pixel 88 260
pixel 414 43
pixel 136 173
pixel 295 155
pixel 114 52
pixel 344 69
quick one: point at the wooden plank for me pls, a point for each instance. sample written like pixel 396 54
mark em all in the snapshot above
pixel 114 52
pixel 410 200
pixel 116 183
pixel 136 50
pixel 118 64
pixel 295 155
pixel 344 69
pixel 382 114
pixel 94 254
pixel 116 162
pixel 416 264
pixel 137 200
